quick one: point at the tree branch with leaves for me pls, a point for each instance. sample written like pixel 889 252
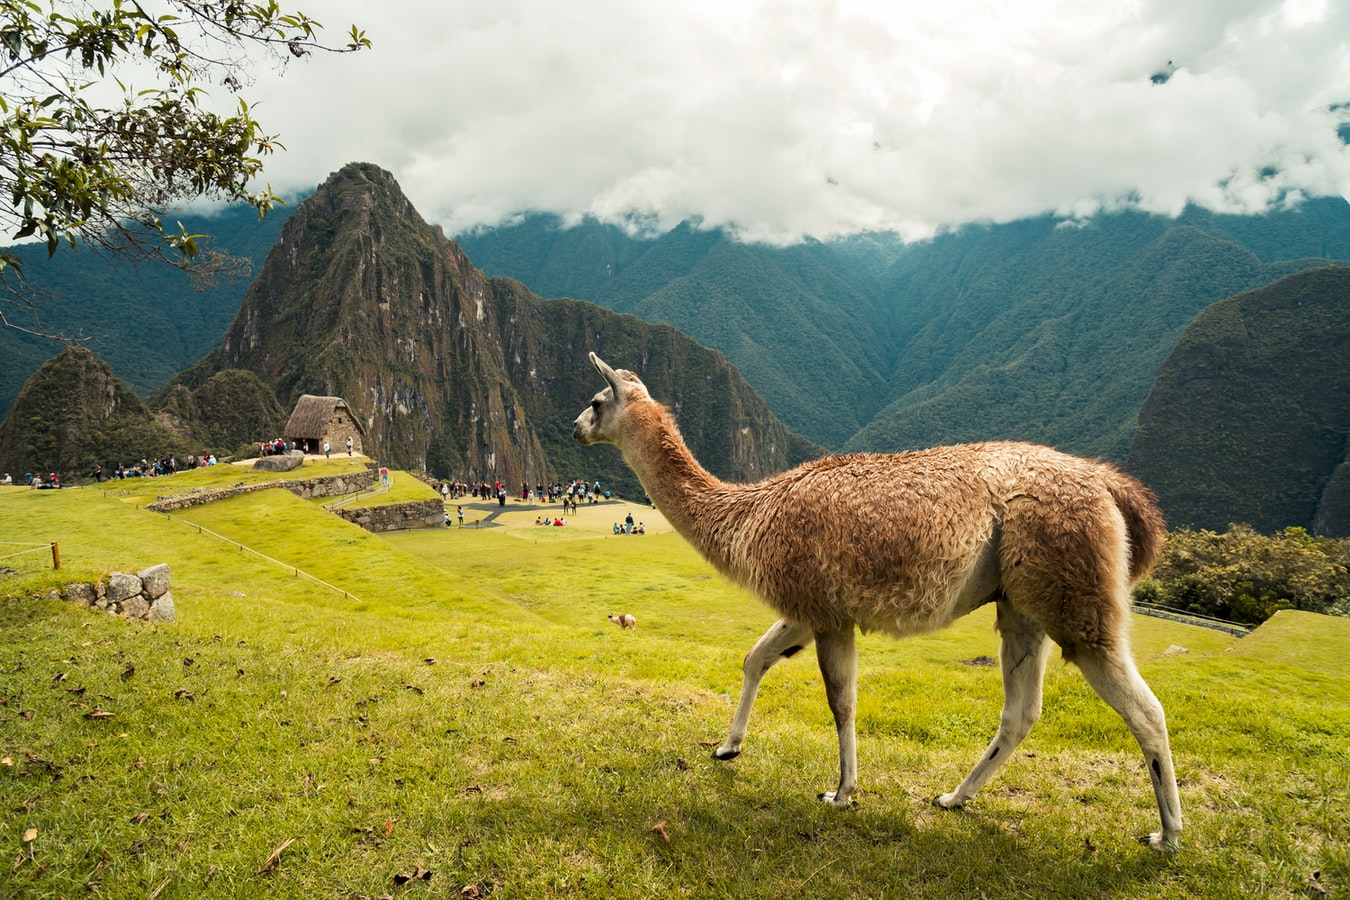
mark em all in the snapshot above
pixel 77 167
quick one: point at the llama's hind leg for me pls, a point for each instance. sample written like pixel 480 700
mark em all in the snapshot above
pixel 1116 680
pixel 781 641
pixel 837 653
pixel 1022 655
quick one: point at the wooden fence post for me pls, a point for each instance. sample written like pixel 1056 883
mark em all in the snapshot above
pixel 56 556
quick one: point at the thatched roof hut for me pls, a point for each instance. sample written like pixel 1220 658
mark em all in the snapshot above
pixel 320 419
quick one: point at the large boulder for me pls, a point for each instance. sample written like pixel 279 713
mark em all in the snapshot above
pixel 284 462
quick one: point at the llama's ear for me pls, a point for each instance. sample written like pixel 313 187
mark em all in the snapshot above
pixel 609 374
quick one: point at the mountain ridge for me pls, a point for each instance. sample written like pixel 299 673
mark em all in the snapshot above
pixel 990 331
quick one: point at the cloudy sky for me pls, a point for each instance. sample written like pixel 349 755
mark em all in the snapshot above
pixel 821 118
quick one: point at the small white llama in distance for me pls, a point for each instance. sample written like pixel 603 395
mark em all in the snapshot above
pixel 624 620
pixel 906 543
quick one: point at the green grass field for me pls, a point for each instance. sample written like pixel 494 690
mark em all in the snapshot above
pixel 447 713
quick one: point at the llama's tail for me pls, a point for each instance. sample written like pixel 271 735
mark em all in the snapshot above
pixel 1143 522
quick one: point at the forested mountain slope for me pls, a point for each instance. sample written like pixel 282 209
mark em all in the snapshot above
pixel 1043 332
pixel 1034 329
pixel 1249 419
pixel 800 323
pixel 147 321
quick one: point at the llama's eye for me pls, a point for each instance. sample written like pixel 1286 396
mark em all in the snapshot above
pixel 595 405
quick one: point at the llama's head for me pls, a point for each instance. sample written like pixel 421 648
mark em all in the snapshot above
pixel 600 422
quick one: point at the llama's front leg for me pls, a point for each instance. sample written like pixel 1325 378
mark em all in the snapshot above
pixel 837 654
pixel 1022 655
pixel 782 640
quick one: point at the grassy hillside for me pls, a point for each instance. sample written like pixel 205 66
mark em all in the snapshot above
pixel 457 710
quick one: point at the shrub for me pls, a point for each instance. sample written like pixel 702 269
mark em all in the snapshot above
pixel 1244 576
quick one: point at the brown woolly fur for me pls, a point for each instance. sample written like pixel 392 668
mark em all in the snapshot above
pixel 887 540
pixel 908 542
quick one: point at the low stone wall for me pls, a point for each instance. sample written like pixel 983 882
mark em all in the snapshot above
pixel 397 516
pixel 309 488
pixel 209 495
pixel 144 595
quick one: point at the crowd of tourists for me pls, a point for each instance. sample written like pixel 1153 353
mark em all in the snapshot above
pixel 571 494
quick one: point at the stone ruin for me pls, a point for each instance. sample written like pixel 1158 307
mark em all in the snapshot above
pixel 144 595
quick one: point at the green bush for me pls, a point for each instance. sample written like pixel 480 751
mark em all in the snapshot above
pixel 1244 576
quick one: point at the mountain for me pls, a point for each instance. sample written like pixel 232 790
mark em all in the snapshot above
pixel 1044 332
pixel 147 321
pixel 73 414
pixel 798 322
pixel 466 376
pixel 1249 419
pixel 1039 329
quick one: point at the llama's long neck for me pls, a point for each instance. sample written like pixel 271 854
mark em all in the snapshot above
pixel 688 495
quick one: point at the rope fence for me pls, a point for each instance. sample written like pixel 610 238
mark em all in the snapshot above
pixel 201 529
pixel 342 502
pixel 33 548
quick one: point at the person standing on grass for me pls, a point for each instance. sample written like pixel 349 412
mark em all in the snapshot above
pixel 459 511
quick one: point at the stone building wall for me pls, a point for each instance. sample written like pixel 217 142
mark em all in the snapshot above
pixel 397 516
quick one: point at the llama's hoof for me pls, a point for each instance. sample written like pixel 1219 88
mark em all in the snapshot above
pixel 949 801
pixel 724 754
pixel 832 798
pixel 1159 843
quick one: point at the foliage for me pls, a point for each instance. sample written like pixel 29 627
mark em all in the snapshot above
pixel 73 168
pixel 1244 576
pixel 466 711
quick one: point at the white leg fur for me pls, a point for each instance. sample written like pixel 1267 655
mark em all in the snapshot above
pixel 837 654
pixel 1022 655
pixel 1117 681
pixel 782 640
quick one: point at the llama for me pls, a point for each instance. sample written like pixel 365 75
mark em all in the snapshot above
pixel 907 543
pixel 624 621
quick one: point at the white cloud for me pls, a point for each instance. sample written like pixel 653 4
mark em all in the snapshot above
pixel 811 117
